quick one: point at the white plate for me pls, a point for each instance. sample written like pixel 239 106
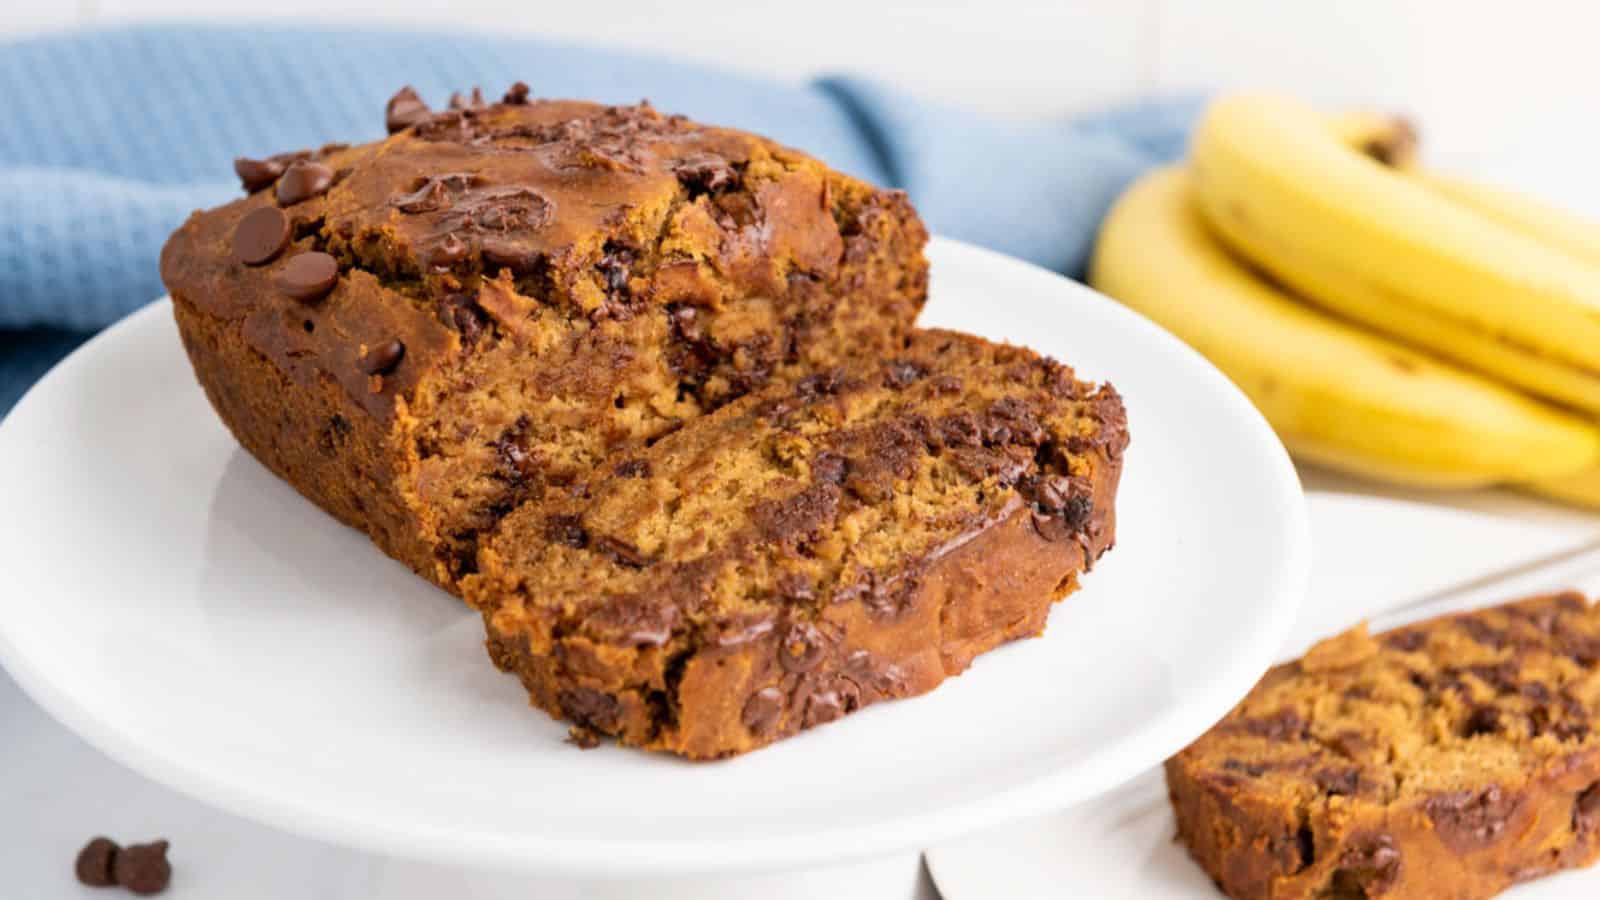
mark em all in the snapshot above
pixel 1371 554
pixel 197 620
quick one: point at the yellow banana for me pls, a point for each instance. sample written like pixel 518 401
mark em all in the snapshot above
pixel 1393 142
pixel 1558 228
pixel 1582 489
pixel 1317 208
pixel 1572 234
pixel 1336 394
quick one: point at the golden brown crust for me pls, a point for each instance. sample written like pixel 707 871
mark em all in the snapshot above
pixel 1452 758
pixel 808 551
pixel 524 287
pixel 321 443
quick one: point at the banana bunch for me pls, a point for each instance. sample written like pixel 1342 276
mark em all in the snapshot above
pixel 1387 320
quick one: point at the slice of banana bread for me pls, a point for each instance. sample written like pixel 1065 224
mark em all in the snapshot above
pixel 1447 759
pixel 423 332
pixel 809 550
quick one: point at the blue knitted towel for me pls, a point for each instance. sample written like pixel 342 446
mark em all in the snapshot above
pixel 112 137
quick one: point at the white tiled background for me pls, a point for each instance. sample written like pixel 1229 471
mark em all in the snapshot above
pixel 1507 88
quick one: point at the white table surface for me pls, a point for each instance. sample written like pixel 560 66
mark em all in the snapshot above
pixel 57 792
pixel 1374 549
pixel 67 792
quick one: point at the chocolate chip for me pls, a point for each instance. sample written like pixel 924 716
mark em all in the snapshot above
pixel 1482 631
pixel 435 192
pixel 705 173
pixel 1483 720
pixel 633 468
pixel 591 709
pixel 1077 511
pixel 94 862
pixel 458 101
pixel 516 464
pixel 622 552
pixel 143 868
pixel 1367 869
pixel 1466 821
pixel 1285 724
pixel 468 319
pixel 1406 641
pixel 566 530
pixel 449 251
pixel 614 268
pixel 825 706
pixel 260 236
pixel 1254 770
pixel 828 467
pixel 382 359
pixel 255 174
pixel 901 374
pixel 762 711
pixel 1053 492
pixel 802 649
pixel 517 96
pixel 875 677
pixel 1585 810
pixel 736 211
pixel 1050 527
pixel 308 277
pixel 799 517
pixel 404 110
pixel 506 209
pixel 960 430
pixel 796 587
pixel 1338 782
pixel 302 181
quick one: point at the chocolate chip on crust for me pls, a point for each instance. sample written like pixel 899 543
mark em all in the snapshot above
pixel 260 236
pixel 404 110
pixel 302 181
pixel 383 358
pixel 308 277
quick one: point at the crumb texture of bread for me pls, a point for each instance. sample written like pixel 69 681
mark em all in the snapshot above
pixel 424 332
pixel 859 535
pixel 1451 758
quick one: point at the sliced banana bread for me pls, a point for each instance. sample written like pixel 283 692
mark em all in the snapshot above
pixel 1447 759
pixel 809 550
pixel 423 332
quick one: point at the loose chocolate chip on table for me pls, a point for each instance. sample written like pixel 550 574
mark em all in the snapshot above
pixel 260 236
pixel 404 110
pixel 382 359
pixel 256 174
pixel 518 95
pixel 302 181
pixel 143 868
pixel 94 862
pixel 308 277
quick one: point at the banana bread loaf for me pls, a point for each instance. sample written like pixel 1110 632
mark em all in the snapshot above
pixel 423 332
pixel 809 550
pixel 1447 759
